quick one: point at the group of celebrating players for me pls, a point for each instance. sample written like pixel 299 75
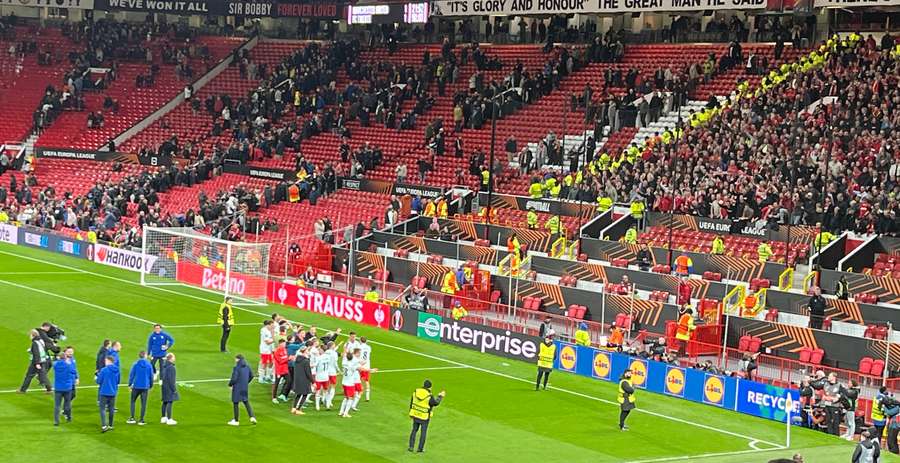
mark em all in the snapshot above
pixel 297 361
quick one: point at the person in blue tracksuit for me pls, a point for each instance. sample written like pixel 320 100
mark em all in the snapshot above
pixel 140 380
pixel 65 377
pixel 108 378
pixel 158 345
pixel 241 375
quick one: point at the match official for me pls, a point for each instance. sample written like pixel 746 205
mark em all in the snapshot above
pixel 545 362
pixel 625 399
pixel 421 407
pixel 226 319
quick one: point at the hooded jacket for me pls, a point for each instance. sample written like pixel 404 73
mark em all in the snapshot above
pixel 108 379
pixel 141 374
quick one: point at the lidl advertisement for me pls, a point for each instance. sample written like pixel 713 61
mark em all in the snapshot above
pixel 672 380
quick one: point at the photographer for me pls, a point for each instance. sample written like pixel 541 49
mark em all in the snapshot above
pixel 656 348
pixel 891 410
pixel 416 300
pixel 51 335
pixel 806 402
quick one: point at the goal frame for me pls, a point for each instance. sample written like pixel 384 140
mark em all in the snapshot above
pixel 230 246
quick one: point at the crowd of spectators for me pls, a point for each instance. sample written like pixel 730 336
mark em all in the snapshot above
pixel 772 158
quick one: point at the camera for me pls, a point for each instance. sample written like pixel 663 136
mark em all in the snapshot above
pixel 889 401
pixel 56 333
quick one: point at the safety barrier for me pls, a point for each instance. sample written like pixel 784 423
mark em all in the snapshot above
pixel 734 300
pixel 786 279
pixel 809 280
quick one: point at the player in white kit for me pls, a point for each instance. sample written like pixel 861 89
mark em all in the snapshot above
pixel 365 359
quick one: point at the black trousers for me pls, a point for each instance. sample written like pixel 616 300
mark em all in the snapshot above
pixel 161 361
pixel 288 383
pixel 167 410
pixel 41 373
pixel 62 401
pixel 542 373
pixel 418 424
pixel 237 409
pixel 622 415
pixel 142 393
pixel 226 331
pixel 833 419
pixel 892 440
pixel 107 406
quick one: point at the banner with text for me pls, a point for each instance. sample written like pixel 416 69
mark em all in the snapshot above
pixel 535 7
pixel 237 284
pixel 123 258
pixel 63 4
pixel 853 3
pixel 333 305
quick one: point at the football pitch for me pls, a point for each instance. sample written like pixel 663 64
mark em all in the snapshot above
pixel 491 412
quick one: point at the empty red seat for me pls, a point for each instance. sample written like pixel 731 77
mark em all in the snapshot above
pixel 582 257
pixel 772 315
pixel 401 253
pixel 877 367
pixel 744 343
pixel 619 262
pixel 482 242
pixel 712 276
pixel 805 354
pixel 865 365
pixel 817 356
pixel 660 268
pixel 826 324
pixel 755 344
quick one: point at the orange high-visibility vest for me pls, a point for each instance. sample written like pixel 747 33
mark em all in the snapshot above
pixel 685 326
pixel 442 209
pixel 293 193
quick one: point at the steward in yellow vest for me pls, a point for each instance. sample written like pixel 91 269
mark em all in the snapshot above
pixel 226 319
pixel 625 398
pixel 531 219
pixel 536 191
pixel 430 209
pixel 718 246
pixel 485 178
pixel 442 208
pixel 545 362
pixel 371 295
pixel 604 203
pixel 637 209
pixel 458 312
pixel 764 251
pixel 552 225
pixel 631 236
pixel 421 409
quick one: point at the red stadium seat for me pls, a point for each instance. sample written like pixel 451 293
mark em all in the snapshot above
pixel 865 366
pixel 744 343
pixel 401 253
pixel 712 276
pixel 772 315
pixel 805 354
pixel 755 344
pixel 817 356
pixel 619 262
pixel 877 368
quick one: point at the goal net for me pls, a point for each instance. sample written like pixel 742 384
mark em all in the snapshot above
pixel 186 257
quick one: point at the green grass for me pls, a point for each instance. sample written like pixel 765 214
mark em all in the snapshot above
pixel 491 411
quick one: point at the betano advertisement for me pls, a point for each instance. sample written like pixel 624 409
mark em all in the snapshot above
pixel 748 397
pixel 238 284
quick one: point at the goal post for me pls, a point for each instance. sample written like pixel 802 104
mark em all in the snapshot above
pixel 185 257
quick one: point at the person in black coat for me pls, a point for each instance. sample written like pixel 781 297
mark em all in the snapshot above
pixel 169 391
pixel 303 380
pixel 241 375
pixel 816 309
pixel 39 364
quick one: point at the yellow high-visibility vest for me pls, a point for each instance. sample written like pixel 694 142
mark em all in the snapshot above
pixel 621 395
pixel 420 405
pixel 546 355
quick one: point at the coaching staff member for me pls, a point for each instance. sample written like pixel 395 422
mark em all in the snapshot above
pixel 625 398
pixel 420 410
pixel 226 319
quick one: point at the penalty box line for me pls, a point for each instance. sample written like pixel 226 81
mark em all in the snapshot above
pixel 750 439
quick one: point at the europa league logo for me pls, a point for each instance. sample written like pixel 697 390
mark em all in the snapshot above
pixel 379 316
pixel 282 294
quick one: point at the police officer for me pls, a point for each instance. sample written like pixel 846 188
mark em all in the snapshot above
pixel 545 362
pixel 420 410
pixel 625 398
pixel 226 319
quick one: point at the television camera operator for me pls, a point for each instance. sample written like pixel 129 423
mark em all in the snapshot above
pixel 51 335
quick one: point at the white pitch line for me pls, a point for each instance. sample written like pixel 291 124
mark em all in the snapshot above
pixel 38 273
pixel 77 301
pixel 421 354
pixel 403 370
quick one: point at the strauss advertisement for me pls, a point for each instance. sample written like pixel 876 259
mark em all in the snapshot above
pixel 238 284
pixel 333 305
